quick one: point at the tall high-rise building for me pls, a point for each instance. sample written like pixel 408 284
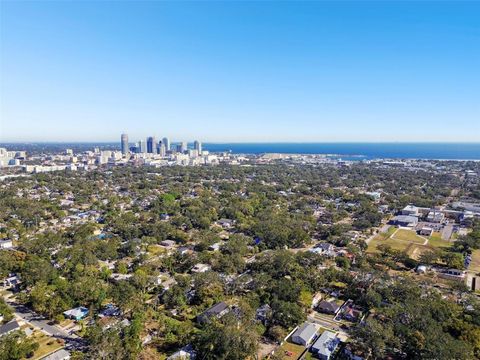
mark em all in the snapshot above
pixel 183 147
pixel 166 142
pixel 197 145
pixel 142 147
pixel 151 145
pixel 161 149
pixel 124 143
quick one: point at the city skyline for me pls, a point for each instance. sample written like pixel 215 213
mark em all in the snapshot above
pixel 240 72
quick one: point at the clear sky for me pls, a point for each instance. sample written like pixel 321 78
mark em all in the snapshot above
pixel 240 71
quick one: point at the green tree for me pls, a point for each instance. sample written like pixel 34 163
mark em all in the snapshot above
pixel 16 346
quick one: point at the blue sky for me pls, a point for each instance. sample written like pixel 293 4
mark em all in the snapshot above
pixel 240 71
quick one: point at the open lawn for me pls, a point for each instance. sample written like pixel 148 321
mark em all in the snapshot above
pixel 397 245
pixel 156 250
pixel 290 350
pixel 46 344
pixel 309 356
pixel 407 240
pixel 436 241
pixel 407 235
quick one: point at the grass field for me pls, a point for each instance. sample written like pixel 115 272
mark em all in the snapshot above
pixel 155 250
pixel 436 241
pixel 408 241
pixel 46 344
pixel 407 235
pixel 290 350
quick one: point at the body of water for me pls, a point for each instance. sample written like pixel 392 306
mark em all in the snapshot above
pixel 347 151
pixel 454 151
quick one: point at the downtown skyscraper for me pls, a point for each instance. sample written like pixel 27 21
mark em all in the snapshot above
pixel 197 145
pixel 124 144
pixel 166 142
pixel 152 145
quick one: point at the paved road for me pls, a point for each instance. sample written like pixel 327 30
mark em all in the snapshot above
pixel 72 341
pixel 447 232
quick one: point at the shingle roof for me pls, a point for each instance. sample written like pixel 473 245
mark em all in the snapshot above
pixel 328 305
pixel 215 309
pixel 11 326
pixel 306 331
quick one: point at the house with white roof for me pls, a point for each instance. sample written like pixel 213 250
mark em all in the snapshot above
pixel 325 345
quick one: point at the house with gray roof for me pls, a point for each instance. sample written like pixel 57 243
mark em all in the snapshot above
pixel 305 334
pixel 216 311
pixel 9 327
pixel 328 307
pixel 61 354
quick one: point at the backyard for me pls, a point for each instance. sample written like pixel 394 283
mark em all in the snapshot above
pixel 290 350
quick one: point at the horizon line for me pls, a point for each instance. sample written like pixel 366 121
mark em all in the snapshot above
pixel 248 142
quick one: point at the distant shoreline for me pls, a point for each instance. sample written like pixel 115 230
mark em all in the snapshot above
pixel 446 151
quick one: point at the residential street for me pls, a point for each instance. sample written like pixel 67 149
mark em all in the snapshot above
pixel 72 341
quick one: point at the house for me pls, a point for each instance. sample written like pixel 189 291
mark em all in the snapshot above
pixel 316 299
pixel 426 231
pixel 225 223
pixel 263 313
pixel 305 334
pixel 9 327
pixel 201 268
pixel 168 283
pixel 11 281
pixel 410 210
pixel 215 247
pixel 6 244
pixel 325 345
pixel 76 314
pixel 383 208
pixel 405 220
pixel 375 195
pixel 324 249
pixel 185 353
pixel 328 307
pixel 109 310
pixel 216 311
pixel 168 243
pixel 61 354
pixel 107 322
pixel 120 277
pixel 184 250
pixel 352 314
